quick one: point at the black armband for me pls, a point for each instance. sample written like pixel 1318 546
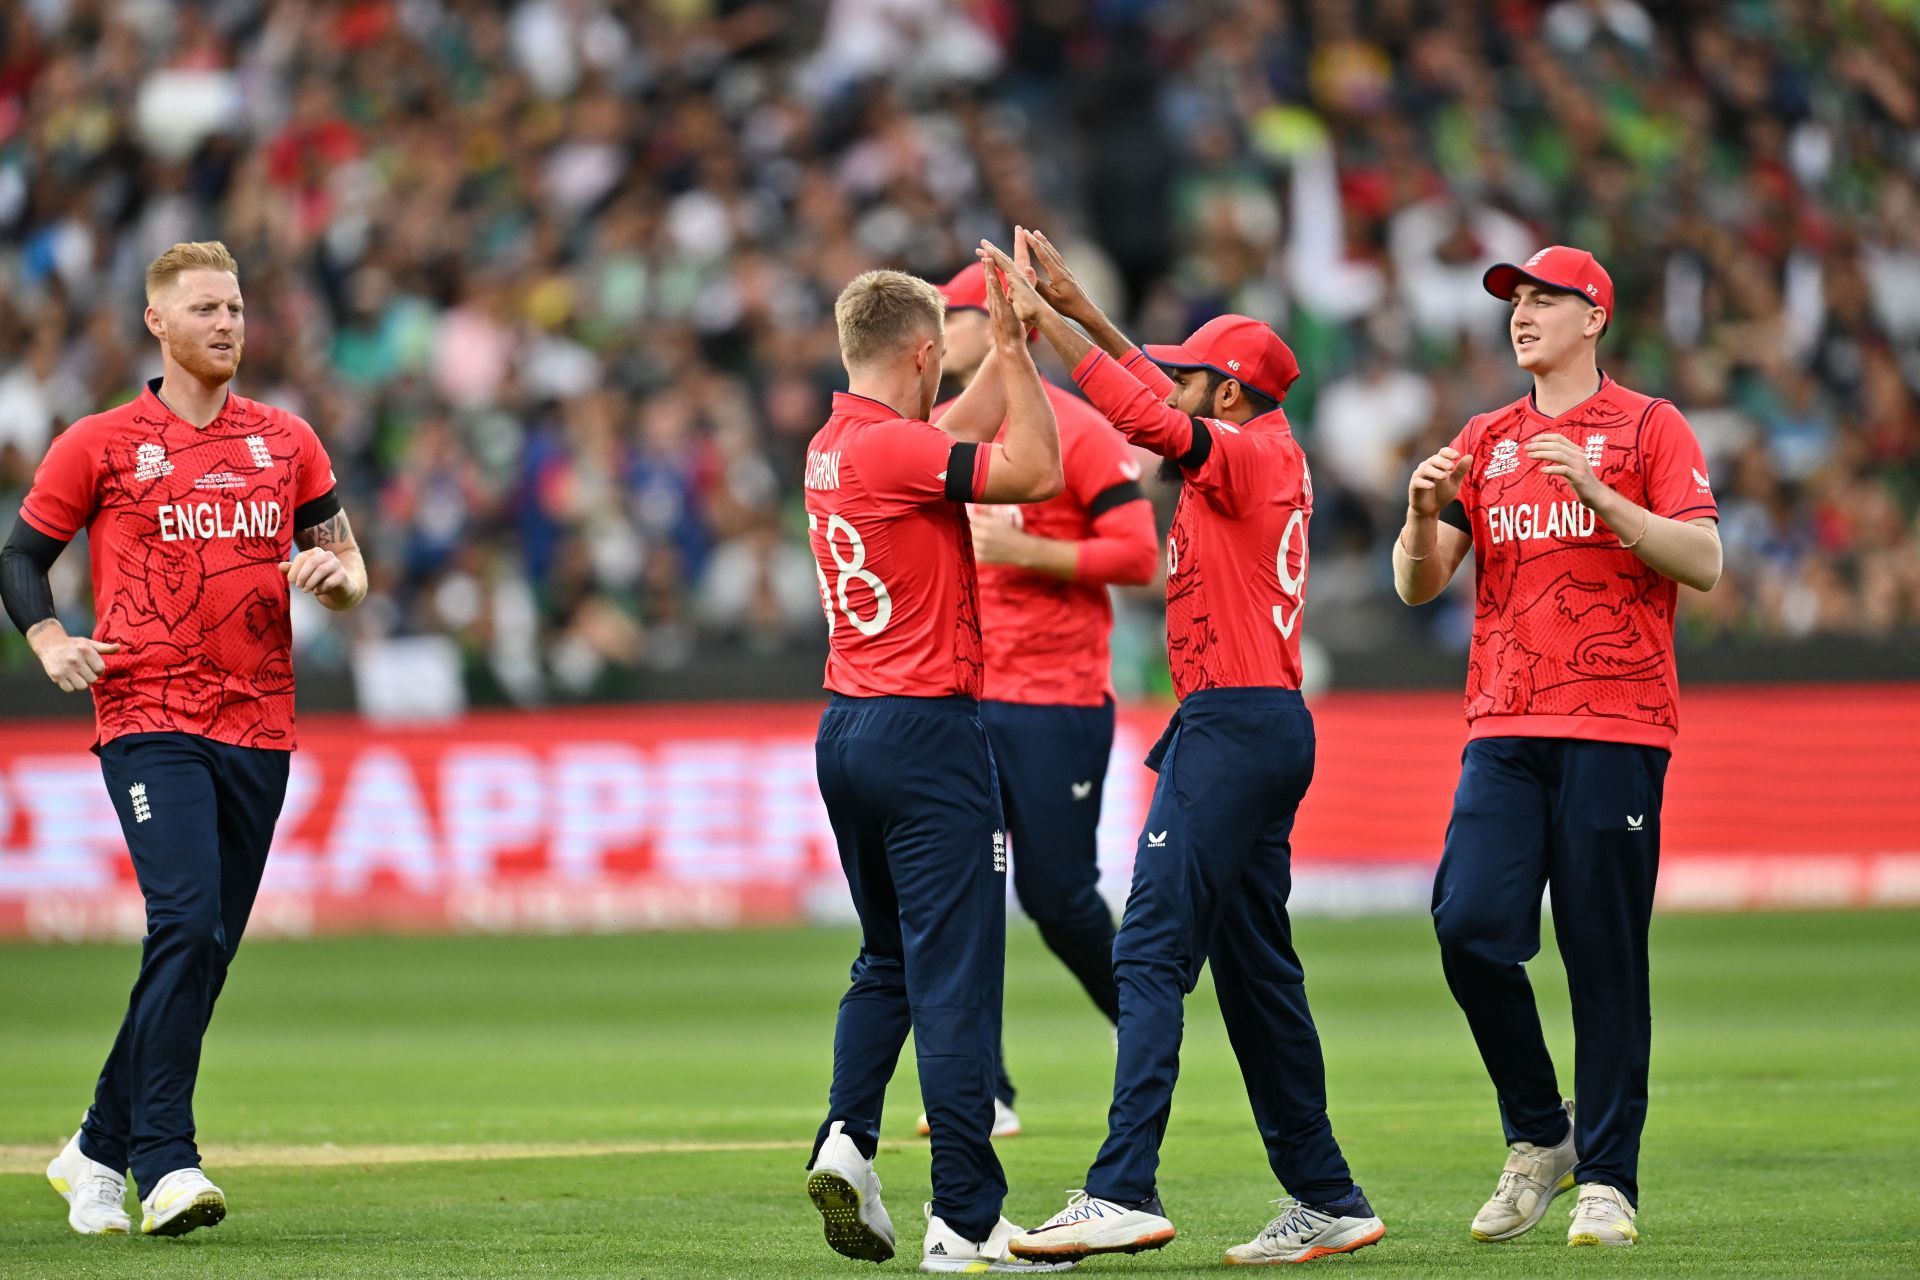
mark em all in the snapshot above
pixel 319 511
pixel 1114 495
pixel 960 464
pixel 24 564
pixel 1455 514
pixel 1200 450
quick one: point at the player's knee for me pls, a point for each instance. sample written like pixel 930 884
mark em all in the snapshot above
pixel 192 930
pixel 1465 930
pixel 1068 909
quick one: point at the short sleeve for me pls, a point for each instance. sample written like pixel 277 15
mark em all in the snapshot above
pixel 1465 443
pixel 1674 467
pixel 911 461
pixel 316 468
pixel 62 498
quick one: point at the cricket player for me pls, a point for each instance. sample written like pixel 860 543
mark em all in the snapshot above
pixel 1583 504
pixel 1212 867
pixel 1046 623
pixel 904 765
pixel 190 496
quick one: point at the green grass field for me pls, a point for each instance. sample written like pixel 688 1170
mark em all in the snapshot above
pixel 639 1106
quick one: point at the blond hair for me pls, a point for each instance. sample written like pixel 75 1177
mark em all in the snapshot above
pixel 195 255
pixel 879 312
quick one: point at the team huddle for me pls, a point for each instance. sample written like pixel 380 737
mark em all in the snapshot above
pixel 963 553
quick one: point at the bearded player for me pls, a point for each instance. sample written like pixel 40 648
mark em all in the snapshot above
pixel 1213 865
pixel 1046 623
pixel 190 496
pixel 1583 504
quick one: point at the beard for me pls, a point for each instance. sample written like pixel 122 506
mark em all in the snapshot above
pixel 206 365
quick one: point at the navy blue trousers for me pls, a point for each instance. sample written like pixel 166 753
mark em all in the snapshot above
pixel 1210 881
pixel 198 817
pixel 1053 768
pixel 1583 817
pixel 910 788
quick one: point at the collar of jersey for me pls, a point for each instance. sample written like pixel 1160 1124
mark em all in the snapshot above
pixel 1533 409
pixel 866 408
pixel 153 393
pixel 1274 420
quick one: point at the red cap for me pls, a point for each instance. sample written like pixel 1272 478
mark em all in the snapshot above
pixel 968 290
pixel 1237 347
pixel 1556 267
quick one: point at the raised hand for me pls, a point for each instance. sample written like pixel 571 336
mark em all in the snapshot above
pixel 1060 289
pixel 1009 335
pixel 1028 306
pixel 1437 481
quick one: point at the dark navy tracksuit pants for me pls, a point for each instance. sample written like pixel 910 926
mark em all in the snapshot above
pixel 1583 817
pixel 1053 768
pixel 198 817
pixel 910 788
pixel 1210 881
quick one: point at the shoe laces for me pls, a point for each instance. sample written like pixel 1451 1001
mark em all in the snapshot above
pixel 1508 1189
pixel 104 1190
pixel 1604 1205
pixel 1294 1216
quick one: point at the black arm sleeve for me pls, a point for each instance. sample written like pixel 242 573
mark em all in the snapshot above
pixel 961 461
pixel 1456 515
pixel 319 511
pixel 1114 495
pixel 24 563
pixel 1201 448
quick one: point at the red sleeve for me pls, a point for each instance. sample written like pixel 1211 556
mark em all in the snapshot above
pixel 1124 548
pixel 61 500
pixel 316 468
pixel 1138 410
pixel 1674 467
pixel 1468 442
pixel 1151 375
pixel 1098 461
pixel 914 461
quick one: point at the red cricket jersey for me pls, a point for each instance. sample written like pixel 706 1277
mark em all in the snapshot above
pixel 1048 639
pixel 1237 551
pixel 887 521
pixel 186 530
pixel 1572 634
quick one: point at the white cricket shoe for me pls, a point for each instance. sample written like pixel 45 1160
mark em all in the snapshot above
pixel 1006 1122
pixel 947 1250
pixel 846 1191
pixel 1090 1225
pixel 1602 1215
pixel 182 1201
pixel 1532 1177
pixel 1302 1233
pixel 98 1194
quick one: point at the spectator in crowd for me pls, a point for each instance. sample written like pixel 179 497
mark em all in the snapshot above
pixel 553 278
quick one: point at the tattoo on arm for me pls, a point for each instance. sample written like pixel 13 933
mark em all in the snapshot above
pixel 333 533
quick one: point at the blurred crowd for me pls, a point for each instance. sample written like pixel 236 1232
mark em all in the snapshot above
pixel 553 279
